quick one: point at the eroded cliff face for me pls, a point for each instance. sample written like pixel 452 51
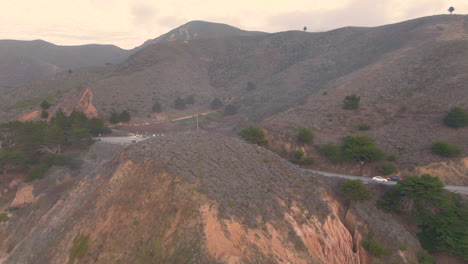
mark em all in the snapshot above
pixel 163 201
pixel 451 172
pixel 80 101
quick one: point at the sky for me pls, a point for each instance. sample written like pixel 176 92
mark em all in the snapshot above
pixel 128 23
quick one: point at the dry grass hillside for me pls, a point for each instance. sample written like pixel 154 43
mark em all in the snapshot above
pixel 408 76
pixel 198 198
pixel 24 61
pixel 405 94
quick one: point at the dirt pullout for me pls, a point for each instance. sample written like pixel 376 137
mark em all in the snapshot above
pixel 197 198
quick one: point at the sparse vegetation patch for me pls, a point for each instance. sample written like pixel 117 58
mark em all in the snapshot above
pixel 79 248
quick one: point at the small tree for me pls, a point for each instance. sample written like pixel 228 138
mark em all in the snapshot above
pixel 11 160
pixel 179 103
pixel 157 108
pixel 332 151
pixel 298 155
pixel 44 114
pixel 254 134
pixel 45 105
pixel 354 191
pixel 190 99
pixel 445 149
pixel 54 138
pixel 364 127
pixel 451 9
pixel 305 136
pixel 114 118
pixel 216 104
pixel 251 86
pixel 230 109
pixel 124 116
pixel 361 149
pixel 305 28
pixel 457 118
pixel 351 102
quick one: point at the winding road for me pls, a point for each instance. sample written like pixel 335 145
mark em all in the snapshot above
pixel 135 139
pixel 453 188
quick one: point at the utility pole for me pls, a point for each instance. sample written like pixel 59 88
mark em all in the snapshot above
pixel 196 107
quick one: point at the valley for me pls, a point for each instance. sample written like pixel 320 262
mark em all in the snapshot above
pixel 212 144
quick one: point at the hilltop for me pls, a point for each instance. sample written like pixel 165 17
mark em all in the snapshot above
pixel 408 76
pixel 196 198
pixel 25 61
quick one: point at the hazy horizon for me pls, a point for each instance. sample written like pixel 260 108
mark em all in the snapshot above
pixel 129 23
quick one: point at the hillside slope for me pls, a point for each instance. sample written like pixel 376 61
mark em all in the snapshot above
pixel 405 94
pixel 24 61
pixel 199 198
pixel 408 76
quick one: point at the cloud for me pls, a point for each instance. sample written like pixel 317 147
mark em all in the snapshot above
pixel 143 14
pixel 356 13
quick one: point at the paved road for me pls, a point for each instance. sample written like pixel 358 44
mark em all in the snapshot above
pixel 125 140
pixel 134 139
pixel 453 188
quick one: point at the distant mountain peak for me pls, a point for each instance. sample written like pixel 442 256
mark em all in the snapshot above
pixel 198 29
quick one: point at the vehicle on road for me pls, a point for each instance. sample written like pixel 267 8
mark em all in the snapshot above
pixel 379 179
pixel 395 179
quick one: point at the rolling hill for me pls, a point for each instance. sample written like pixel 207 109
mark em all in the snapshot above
pixel 408 76
pixel 195 198
pixel 24 61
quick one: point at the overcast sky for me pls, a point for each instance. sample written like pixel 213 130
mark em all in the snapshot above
pixel 128 23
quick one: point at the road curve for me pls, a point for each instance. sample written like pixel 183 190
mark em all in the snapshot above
pixel 453 188
pixel 134 139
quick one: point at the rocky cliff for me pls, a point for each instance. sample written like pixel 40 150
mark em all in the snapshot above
pixel 199 198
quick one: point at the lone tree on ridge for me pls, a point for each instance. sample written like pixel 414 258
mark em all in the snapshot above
pixel 451 9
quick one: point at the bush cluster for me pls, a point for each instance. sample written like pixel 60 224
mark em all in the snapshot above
pixel 305 136
pixel 456 118
pixel 254 135
pixel 440 215
pixel 445 149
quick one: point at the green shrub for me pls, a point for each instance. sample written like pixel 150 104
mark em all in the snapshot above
pixel 445 149
pixel 307 161
pixel 179 103
pixel 364 127
pixel 391 157
pixel 390 202
pixel 190 100
pixel 298 155
pixel 457 118
pixel 157 107
pixel 3 217
pixel 372 246
pixel 45 105
pixel 124 116
pixel 351 102
pixel 216 104
pixel 79 248
pixel 37 172
pixel 251 86
pixel 305 135
pixel 230 109
pixel 354 191
pixel 114 118
pixel 361 149
pixel 425 258
pixel 254 134
pixel 332 151
pixel 44 114
pixel 387 169
pixel 440 215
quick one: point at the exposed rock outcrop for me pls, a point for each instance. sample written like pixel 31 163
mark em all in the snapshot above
pixel 198 198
